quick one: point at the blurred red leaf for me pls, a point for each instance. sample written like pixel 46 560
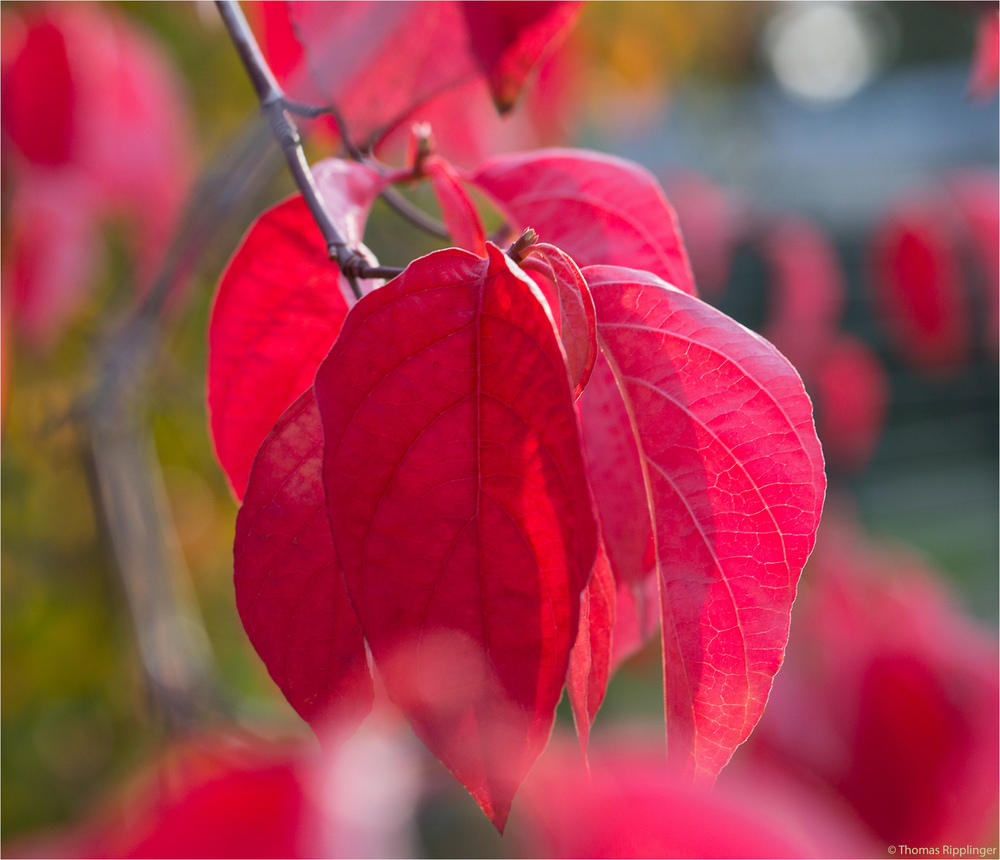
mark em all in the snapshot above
pixel 459 507
pixel 985 75
pixel 90 103
pixel 807 291
pixel 53 249
pixel 565 289
pixel 712 220
pixel 597 208
pixel 631 805
pixel 890 695
pixel 735 483
pixel 378 61
pixel 290 591
pixel 852 390
pixel 917 281
pixel 279 307
pixel 38 96
pixel 590 659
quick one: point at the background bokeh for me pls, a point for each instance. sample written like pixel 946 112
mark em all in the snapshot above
pixel 836 131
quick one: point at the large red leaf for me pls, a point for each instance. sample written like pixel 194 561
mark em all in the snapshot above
pixel 289 589
pixel 599 209
pixel 459 507
pixel 379 61
pixel 590 659
pixel 280 305
pixel 735 483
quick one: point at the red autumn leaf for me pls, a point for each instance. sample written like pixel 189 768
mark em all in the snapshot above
pixel 590 659
pixel 631 805
pixel 806 290
pixel 599 209
pixel 279 307
pixel 53 248
pixel 508 40
pixel 91 105
pixel 985 75
pixel 852 389
pixel 564 287
pixel 289 588
pixel 459 507
pixel 918 286
pixel 890 695
pixel 38 96
pixel 458 211
pixel 379 61
pixel 734 475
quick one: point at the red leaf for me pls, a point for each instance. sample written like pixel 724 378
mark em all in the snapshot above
pixel 590 659
pixel 917 278
pixel 459 507
pixel 807 291
pixel 508 39
pixel 458 211
pixel 712 220
pixel 599 209
pixel 734 475
pixel 853 395
pixel 630 805
pixel 53 251
pixel 890 695
pixel 985 73
pixel 39 99
pixel 379 61
pixel 564 287
pixel 289 588
pixel 280 305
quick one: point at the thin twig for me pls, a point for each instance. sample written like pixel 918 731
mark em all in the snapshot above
pixel 274 105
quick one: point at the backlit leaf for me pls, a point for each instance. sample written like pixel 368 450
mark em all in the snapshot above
pixel 735 483
pixel 599 209
pixel 280 305
pixel 289 589
pixel 459 507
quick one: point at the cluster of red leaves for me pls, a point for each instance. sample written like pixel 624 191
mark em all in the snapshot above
pixel 94 126
pixel 467 471
pixel 430 492
pixel 890 697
